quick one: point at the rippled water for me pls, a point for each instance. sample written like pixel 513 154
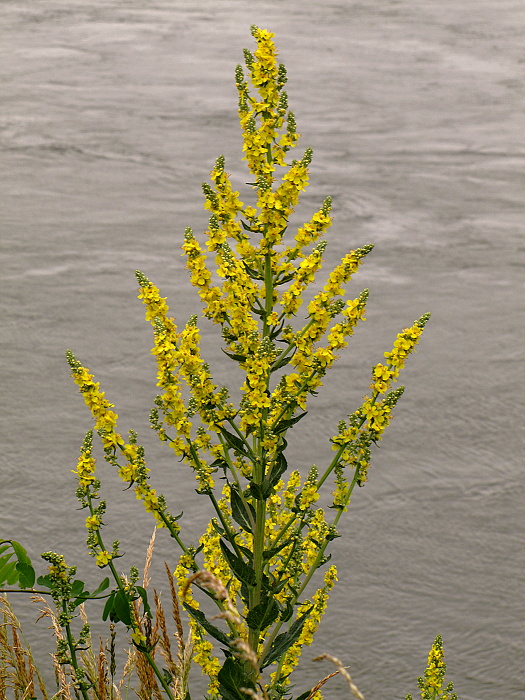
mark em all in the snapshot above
pixel 113 113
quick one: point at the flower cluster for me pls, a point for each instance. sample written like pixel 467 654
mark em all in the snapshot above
pixel 315 610
pixel 431 685
pixel 134 471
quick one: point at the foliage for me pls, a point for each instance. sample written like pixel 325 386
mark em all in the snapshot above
pixel 261 554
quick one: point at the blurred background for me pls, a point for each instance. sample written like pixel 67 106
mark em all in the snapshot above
pixel 113 113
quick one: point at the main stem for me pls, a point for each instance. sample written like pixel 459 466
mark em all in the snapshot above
pixel 259 471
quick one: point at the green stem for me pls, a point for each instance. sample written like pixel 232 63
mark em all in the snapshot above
pixel 229 534
pixel 251 455
pixel 157 672
pixel 258 549
pixel 290 345
pixel 233 470
pixel 72 650
pixel 325 542
pixel 312 569
pixel 268 285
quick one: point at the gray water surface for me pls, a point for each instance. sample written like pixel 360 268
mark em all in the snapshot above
pixel 112 115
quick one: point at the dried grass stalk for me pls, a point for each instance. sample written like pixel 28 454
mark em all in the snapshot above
pixel 17 665
pixel 149 555
pixel 342 670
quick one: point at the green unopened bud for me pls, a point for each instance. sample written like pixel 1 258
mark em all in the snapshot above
pixel 307 158
pixel 281 76
pixel 248 58
pixel 421 322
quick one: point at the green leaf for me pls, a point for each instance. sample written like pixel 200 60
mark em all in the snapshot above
pixel 108 607
pixel 234 441
pixel 280 465
pixel 257 491
pixel 284 641
pixel 103 586
pixel 247 552
pixel 121 609
pixel 220 463
pixel 285 279
pixel 287 612
pixel 277 585
pixel 215 632
pixel 77 588
pixel 142 593
pixel 263 615
pixel 241 570
pixel 215 525
pixel 8 574
pixel 232 356
pixel 285 424
pixel 281 363
pixel 26 575
pixel 22 571
pixel 254 274
pixel 269 553
pixel 232 678
pixel 44 581
pixel 304 695
pixel 242 511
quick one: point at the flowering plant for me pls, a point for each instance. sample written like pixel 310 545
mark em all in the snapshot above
pixel 267 542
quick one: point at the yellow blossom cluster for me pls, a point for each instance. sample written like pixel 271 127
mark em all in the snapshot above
pixel 310 232
pixel 317 532
pixel 315 610
pixel 304 275
pixel 383 375
pixel 86 468
pixel 135 470
pixel 262 118
pixel 224 203
pixel 431 685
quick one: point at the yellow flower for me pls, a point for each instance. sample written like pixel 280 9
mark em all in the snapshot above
pixel 93 522
pixel 138 638
pixel 103 558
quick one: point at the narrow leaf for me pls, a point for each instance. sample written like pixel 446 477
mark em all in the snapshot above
pixel 285 424
pixel 241 570
pixel 281 363
pixel 269 553
pixel 142 593
pixel 102 587
pixel 234 441
pixel 108 607
pixel 232 356
pixel 200 617
pixel 284 641
pixel 280 465
pixel 241 511
pixel 304 695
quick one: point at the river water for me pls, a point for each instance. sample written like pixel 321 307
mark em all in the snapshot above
pixel 113 113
